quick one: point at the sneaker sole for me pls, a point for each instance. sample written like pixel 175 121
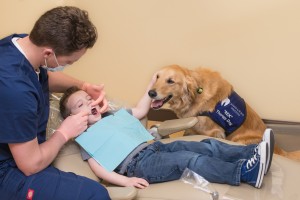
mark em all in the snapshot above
pixel 269 139
pixel 262 166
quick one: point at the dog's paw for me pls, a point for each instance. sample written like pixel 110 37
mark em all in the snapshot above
pixel 220 135
pixel 153 131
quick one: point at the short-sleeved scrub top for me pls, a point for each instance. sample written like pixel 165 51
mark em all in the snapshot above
pixel 24 98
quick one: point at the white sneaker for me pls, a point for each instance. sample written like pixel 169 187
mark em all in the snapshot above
pixel 268 137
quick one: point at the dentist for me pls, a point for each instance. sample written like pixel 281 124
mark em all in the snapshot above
pixel 29 67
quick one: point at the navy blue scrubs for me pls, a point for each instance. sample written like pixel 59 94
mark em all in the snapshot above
pixel 24 111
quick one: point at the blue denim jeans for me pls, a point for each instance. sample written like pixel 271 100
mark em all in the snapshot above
pixel 215 161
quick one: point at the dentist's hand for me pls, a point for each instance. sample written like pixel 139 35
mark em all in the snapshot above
pixel 74 125
pixel 98 94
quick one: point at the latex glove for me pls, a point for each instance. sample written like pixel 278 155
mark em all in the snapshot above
pixel 74 125
pixel 98 94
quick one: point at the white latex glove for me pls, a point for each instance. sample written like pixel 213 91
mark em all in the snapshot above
pixel 74 125
pixel 98 94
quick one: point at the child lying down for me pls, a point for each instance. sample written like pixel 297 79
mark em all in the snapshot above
pixel 216 161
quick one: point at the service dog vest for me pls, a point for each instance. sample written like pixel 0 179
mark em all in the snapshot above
pixel 230 113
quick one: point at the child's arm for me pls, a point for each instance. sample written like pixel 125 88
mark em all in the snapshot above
pixel 143 106
pixel 115 178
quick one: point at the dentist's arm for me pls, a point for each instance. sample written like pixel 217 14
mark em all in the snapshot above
pixel 32 157
pixel 59 82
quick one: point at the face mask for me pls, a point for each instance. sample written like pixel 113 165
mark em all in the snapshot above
pixel 56 69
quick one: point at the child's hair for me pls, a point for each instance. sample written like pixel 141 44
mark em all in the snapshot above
pixel 64 99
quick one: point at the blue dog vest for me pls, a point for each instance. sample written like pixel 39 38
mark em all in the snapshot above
pixel 230 113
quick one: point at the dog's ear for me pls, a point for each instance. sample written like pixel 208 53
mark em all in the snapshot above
pixel 189 89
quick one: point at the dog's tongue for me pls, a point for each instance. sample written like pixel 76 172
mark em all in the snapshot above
pixel 157 104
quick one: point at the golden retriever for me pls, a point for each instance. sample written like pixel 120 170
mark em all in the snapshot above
pixel 204 93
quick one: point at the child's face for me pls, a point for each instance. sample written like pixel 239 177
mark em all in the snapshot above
pixel 81 101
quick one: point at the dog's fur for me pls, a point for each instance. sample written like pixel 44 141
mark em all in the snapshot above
pixel 179 87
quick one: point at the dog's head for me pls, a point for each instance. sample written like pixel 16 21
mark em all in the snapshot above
pixel 172 86
pixel 184 89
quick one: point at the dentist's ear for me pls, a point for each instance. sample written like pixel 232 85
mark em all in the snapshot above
pixel 47 52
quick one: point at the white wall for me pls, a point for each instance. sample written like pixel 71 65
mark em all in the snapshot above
pixel 253 43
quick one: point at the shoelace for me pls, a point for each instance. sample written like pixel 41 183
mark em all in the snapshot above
pixel 251 161
pixel 256 149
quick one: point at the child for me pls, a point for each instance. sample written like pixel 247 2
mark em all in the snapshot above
pixel 216 161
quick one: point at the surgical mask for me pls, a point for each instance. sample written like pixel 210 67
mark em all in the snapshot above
pixel 56 69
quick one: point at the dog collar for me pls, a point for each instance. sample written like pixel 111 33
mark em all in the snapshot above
pixel 199 90
pixel 229 113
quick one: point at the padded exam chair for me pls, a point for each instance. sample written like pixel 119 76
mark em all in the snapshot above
pixel 281 183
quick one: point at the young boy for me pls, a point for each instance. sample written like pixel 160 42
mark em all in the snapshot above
pixel 216 161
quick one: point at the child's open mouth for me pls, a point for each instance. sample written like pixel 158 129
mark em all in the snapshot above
pixel 94 111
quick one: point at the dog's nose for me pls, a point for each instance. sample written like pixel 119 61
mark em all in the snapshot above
pixel 152 93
